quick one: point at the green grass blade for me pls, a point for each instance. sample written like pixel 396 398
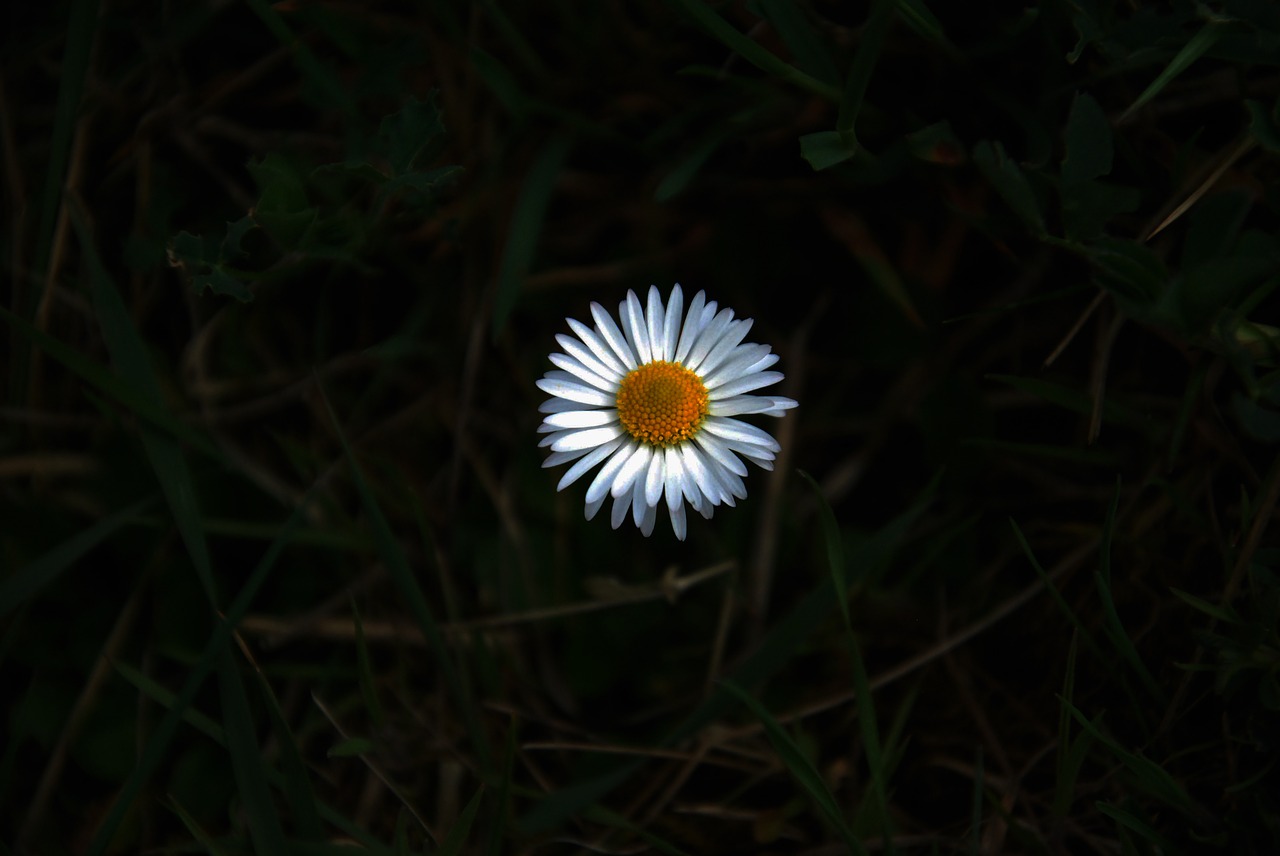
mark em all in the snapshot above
pixel 1114 627
pixel 1150 776
pixel 452 844
pixel 247 764
pixel 526 225
pixel 802 40
pixel 774 652
pixel 157 747
pixel 864 64
pixel 1195 47
pixel 1137 826
pixel 402 576
pixel 167 700
pixel 1069 757
pixel 19 587
pixel 295 781
pixel 81 23
pixel 801 768
pixel 866 708
pixel 718 27
pixel 111 385
pixel 1225 614
pixel 320 78
pixel 1063 606
pixel 365 670
pixel 197 831
pixel 835 549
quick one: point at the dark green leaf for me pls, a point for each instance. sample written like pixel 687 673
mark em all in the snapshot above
pixel 825 149
pixel 1010 182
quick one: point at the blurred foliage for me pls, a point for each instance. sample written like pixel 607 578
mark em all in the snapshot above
pixel 280 570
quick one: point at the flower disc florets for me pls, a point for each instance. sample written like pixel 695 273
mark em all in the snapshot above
pixel 662 403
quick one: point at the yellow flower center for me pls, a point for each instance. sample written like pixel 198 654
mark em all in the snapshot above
pixel 662 403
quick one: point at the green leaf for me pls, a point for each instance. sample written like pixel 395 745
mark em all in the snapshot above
pixel 801 768
pixel 410 134
pixel 1088 142
pixel 1264 125
pixel 825 149
pixel 1010 182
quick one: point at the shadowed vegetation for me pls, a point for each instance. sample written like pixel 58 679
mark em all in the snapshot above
pixel 280 569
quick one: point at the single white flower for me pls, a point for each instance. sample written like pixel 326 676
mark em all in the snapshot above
pixel 654 401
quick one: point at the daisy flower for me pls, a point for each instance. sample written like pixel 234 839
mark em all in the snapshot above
pixel 653 400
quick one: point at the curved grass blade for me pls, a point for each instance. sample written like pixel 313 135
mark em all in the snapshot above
pixel 1195 47
pixel 26 583
pixel 866 709
pixel 398 569
pixel 801 768
pixel 709 20
pixel 129 354
pixel 452 844
pixel 772 655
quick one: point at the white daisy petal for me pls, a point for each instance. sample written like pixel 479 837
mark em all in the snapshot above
pixel 688 447
pixel 718 452
pixel 654 324
pixel 620 507
pixel 598 347
pixel 631 470
pixel 582 373
pixel 780 405
pixel 639 508
pixel 653 479
pixel 734 429
pixel 581 418
pixel 671 326
pixel 587 358
pixel 691 327
pixel 593 507
pixel 593 457
pixel 558 405
pixel 694 465
pixel 575 392
pixel 750 382
pixel 735 364
pixel 708 338
pixel 587 438
pixel 609 331
pixel 555 459
pixel 733 334
pixel 740 405
pixel 646 522
pixel 604 478
pixel 678 525
pixel 633 324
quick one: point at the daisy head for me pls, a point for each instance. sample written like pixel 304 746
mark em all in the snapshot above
pixel 653 401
